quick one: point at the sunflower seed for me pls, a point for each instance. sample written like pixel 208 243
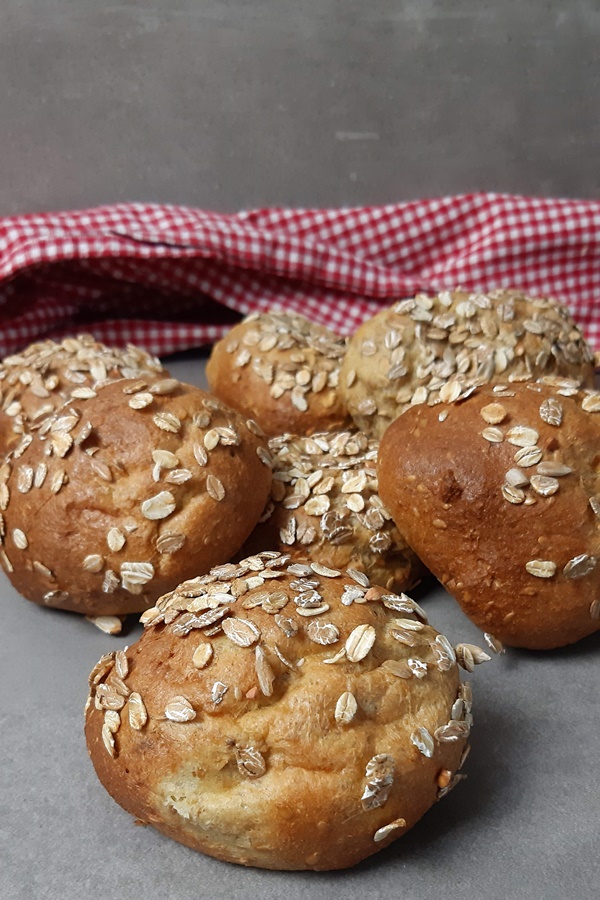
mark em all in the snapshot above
pixel 100 469
pixel 138 715
pixel 345 708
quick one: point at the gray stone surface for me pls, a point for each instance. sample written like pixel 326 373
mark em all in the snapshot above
pixel 525 824
pixel 229 104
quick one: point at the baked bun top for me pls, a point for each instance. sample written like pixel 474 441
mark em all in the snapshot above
pixel 430 348
pixel 325 504
pixel 116 498
pixel 499 494
pixel 283 370
pixel 271 699
pixel 37 381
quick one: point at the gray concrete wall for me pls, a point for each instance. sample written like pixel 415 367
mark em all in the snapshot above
pixel 236 103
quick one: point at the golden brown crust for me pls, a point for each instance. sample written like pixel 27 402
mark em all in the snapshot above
pixel 283 370
pixel 246 744
pixel 427 348
pixel 118 497
pixel 40 379
pixel 325 504
pixel 506 519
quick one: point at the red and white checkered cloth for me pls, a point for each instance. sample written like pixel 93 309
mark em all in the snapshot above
pixel 169 278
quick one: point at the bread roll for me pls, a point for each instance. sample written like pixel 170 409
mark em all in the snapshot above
pixel 282 370
pixel 433 348
pixel 325 504
pixel 499 495
pixel 280 714
pixel 117 498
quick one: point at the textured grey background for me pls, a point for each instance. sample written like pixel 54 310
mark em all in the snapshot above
pixel 237 103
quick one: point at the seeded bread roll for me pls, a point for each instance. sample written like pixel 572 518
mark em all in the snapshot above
pixel 503 506
pixel 283 370
pixel 324 504
pixel 280 715
pixel 118 497
pixel 434 348
pixel 38 381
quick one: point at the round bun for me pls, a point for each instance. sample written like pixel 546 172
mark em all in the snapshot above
pixel 40 379
pixel 283 370
pixel 247 727
pixel 433 348
pixel 117 498
pixel 325 504
pixel 499 495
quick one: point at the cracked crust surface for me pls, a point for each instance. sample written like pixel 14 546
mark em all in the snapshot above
pixel 263 751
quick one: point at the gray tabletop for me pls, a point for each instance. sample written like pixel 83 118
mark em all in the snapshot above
pixel 525 823
pixel 228 104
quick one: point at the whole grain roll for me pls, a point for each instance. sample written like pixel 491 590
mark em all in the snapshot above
pixel 499 494
pixel 431 348
pixel 325 504
pixel 281 369
pixel 117 498
pixel 40 379
pixel 280 714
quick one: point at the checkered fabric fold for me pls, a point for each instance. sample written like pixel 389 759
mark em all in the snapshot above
pixel 169 278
